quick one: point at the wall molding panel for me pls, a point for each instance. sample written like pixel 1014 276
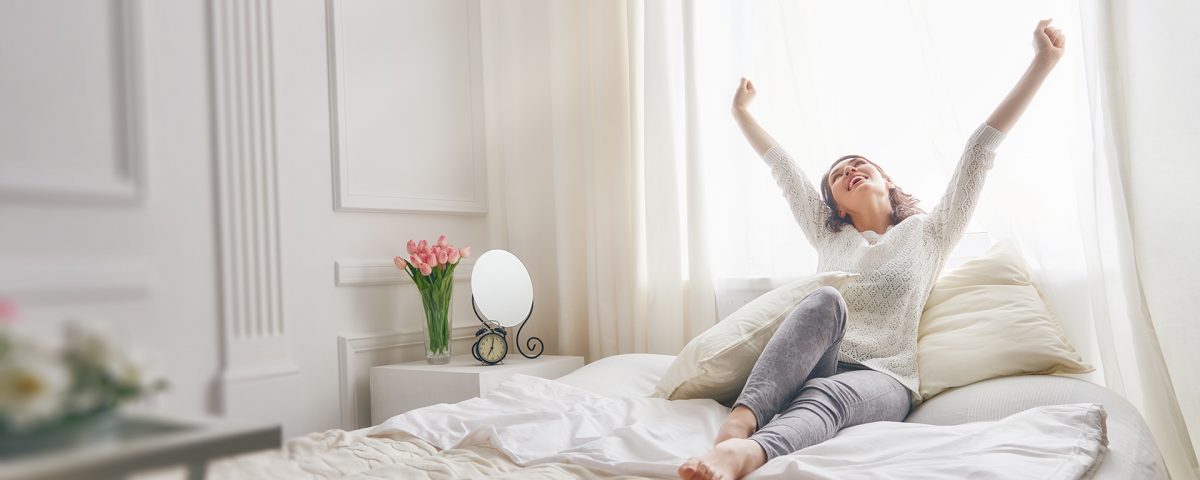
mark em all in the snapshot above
pixel 254 333
pixel 121 181
pixel 358 353
pixel 422 151
pixel 61 279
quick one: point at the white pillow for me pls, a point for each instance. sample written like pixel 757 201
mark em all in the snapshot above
pixel 717 362
pixel 623 375
pixel 987 319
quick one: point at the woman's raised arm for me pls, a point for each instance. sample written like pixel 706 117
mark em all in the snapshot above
pixel 1048 45
pixel 948 219
pixel 758 138
pixel 803 198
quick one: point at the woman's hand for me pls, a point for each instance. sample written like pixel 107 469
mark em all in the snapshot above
pixel 745 94
pixel 758 138
pixel 1048 42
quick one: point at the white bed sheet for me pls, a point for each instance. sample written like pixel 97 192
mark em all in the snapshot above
pixel 1131 453
pixel 534 420
pixel 883 450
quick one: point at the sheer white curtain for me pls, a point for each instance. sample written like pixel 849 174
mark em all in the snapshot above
pixel 633 267
pixel 1134 350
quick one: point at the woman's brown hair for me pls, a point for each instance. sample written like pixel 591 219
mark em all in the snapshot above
pixel 903 204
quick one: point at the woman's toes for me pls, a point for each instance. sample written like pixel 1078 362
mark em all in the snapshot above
pixel 688 470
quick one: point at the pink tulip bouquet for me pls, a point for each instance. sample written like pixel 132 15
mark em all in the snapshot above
pixel 432 268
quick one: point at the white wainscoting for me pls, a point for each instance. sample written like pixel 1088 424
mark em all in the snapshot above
pixel 360 273
pixel 73 101
pixel 406 100
pixel 358 353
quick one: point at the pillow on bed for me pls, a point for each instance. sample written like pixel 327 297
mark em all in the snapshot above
pixel 987 319
pixel 717 362
pixel 624 375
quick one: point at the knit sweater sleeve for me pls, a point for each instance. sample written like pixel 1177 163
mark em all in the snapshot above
pixel 802 196
pixel 949 218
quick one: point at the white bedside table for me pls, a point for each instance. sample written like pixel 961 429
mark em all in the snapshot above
pixel 398 388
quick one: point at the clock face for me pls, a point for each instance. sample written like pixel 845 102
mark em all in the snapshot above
pixel 493 347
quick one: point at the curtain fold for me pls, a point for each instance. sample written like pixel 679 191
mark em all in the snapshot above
pixel 1133 356
pixel 634 272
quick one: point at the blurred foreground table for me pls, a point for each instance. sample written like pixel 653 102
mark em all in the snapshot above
pixel 139 441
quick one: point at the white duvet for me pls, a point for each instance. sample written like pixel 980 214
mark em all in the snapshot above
pixel 534 421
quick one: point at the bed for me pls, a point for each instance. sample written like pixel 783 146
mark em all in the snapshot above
pixel 505 442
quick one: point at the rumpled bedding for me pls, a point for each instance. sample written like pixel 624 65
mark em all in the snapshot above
pixel 336 454
pixel 531 427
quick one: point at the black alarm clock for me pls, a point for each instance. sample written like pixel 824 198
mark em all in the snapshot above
pixel 491 344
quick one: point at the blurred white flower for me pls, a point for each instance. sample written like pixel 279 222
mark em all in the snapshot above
pixel 90 345
pixel 32 388
pixel 96 348
pixel 90 374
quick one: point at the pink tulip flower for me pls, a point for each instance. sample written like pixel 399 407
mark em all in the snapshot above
pixel 412 247
pixel 400 263
pixel 414 260
pixel 426 269
pixel 442 257
pixel 465 252
pixel 453 257
pixel 441 242
pixel 423 246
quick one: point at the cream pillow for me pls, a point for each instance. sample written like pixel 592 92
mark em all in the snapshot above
pixel 717 362
pixel 987 319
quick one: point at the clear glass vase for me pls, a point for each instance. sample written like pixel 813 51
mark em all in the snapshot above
pixel 436 299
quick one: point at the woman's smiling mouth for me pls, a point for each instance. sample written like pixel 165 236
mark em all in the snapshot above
pixel 856 181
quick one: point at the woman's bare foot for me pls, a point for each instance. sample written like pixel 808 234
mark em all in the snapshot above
pixel 739 424
pixel 729 460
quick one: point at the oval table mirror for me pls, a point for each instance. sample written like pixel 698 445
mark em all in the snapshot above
pixel 502 297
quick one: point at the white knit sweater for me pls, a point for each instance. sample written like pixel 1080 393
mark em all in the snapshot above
pixel 897 268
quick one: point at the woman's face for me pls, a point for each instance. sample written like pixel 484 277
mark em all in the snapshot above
pixel 855 182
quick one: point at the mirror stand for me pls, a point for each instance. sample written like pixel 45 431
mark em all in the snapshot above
pixel 532 343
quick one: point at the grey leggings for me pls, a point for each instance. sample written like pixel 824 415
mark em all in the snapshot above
pixel 799 377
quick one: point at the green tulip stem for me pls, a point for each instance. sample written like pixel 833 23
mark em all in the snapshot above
pixel 436 293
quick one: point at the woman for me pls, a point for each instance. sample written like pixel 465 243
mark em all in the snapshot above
pixel 843 360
